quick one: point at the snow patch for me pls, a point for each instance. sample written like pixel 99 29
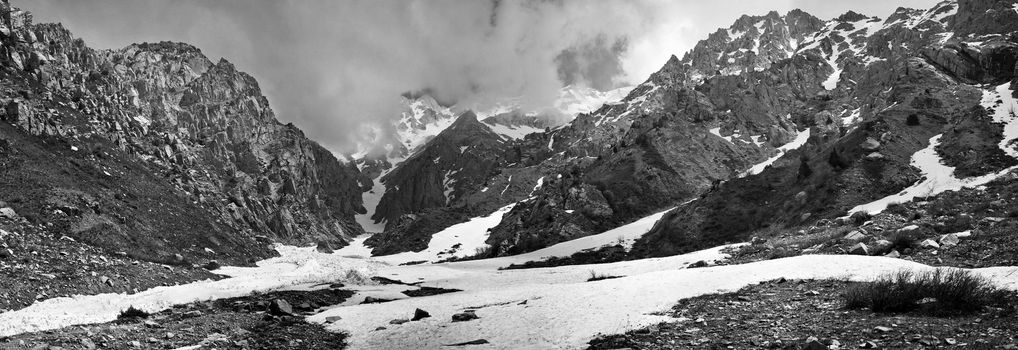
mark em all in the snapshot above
pixel 800 139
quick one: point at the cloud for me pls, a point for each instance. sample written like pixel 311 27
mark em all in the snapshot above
pixel 329 66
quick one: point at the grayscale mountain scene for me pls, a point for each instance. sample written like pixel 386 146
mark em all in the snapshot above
pixel 508 174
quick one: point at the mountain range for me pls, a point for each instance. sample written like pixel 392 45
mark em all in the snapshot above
pixel 779 127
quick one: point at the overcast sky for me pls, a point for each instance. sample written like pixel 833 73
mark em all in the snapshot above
pixel 328 65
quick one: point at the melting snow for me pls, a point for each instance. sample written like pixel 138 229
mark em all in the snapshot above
pixel 730 139
pixel 852 118
pixel 800 139
pixel 540 183
pixel 507 183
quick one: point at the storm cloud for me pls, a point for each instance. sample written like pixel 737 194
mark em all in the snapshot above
pixel 329 66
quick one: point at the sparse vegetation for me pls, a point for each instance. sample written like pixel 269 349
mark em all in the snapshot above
pixel 902 241
pixel 942 291
pixel 132 313
pixel 594 276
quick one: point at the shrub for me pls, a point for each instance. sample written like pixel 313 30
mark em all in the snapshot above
pixel 782 252
pixel 901 241
pixel 912 120
pixel 941 291
pixel 132 313
pixel 594 276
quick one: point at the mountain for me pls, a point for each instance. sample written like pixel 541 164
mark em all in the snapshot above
pixel 769 92
pixel 859 169
pixel 164 152
pixel 921 83
pixel 670 139
pixel 424 118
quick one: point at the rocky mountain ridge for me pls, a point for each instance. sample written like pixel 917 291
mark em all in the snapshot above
pixel 903 84
pixel 637 155
pixel 707 119
pixel 203 126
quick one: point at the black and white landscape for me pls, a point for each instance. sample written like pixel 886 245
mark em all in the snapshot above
pixel 509 175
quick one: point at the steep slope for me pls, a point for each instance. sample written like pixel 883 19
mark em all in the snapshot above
pixel 452 164
pixel 203 127
pixel 906 84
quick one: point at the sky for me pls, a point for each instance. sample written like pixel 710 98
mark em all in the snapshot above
pixel 329 66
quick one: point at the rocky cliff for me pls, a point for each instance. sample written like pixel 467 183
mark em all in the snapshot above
pixel 203 126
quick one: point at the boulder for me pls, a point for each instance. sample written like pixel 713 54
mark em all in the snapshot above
pixel 280 307
pixel 814 344
pixel 908 228
pixel 211 265
pixel 893 254
pixel 949 240
pixel 420 315
pixel 870 144
pixel 465 316
pixel 930 244
pixel 324 247
pixel 855 236
pixel 859 217
pixel 860 249
pixel 882 245
pixel 8 213
pixel 697 264
pixel 374 300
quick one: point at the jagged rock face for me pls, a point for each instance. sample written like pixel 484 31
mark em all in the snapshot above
pixel 205 125
pixel 916 79
pixel 753 43
pixel 985 17
pixel 455 162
